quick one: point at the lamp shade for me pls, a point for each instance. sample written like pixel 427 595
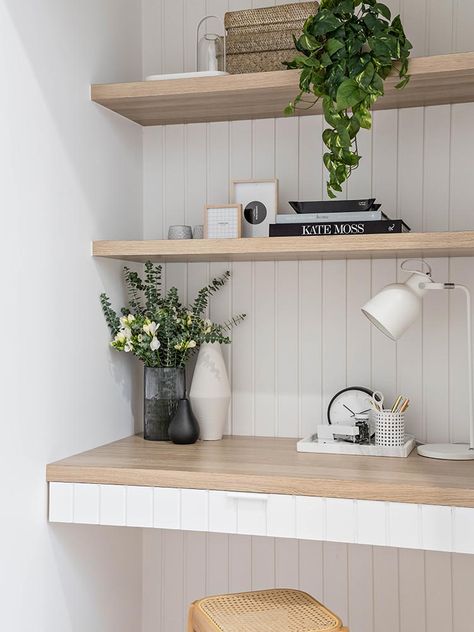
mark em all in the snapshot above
pixel 397 306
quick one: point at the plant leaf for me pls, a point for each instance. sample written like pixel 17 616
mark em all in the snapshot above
pixel 333 45
pixel 325 22
pixel 383 10
pixel 401 84
pixel 349 94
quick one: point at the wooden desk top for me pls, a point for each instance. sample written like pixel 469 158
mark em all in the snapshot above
pixel 268 465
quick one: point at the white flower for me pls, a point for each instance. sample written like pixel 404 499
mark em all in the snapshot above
pixel 150 328
pixel 120 337
pixel 128 346
pixel 127 332
pixel 154 344
pixel 140 338
pixel 191 344
pixel 125 321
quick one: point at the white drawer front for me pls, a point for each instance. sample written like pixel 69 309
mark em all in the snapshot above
pixel 222 512
pixel 340 520
pixel 463 530
pixel 437 528
pixel 281 516
pixel 405 525
pixel 251 513
pixel 371 522
pixel 112 505
pixel 139 506
pixel 379 523
pixel 167 508
pixel 86 503
pixel 61 502
pixel 310 518
pixel 194 509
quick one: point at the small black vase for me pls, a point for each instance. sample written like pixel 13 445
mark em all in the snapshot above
pixel 184 427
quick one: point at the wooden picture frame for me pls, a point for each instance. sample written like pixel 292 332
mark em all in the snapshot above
pixel 259 200
pixel 222 221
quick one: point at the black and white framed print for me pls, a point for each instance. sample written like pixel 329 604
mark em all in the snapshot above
pixel 223 221
pixel 259 200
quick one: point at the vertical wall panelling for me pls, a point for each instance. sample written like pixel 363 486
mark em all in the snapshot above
pixel 305 337
pixel 333 329
pixel 412 593
pixel 385 590
pixel 438 590
pixel 263 563
pixel 152 579
pixel 240 563
pixel 360 598
pixel 463 604
pixel 242 296
pixel 336 578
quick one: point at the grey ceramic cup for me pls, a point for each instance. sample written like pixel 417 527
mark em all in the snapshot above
pixel 198 232
pixel 180 232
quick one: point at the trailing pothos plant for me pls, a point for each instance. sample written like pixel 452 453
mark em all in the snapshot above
pixel 347 51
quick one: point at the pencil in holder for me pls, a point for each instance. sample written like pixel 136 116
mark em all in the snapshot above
pixel 389 428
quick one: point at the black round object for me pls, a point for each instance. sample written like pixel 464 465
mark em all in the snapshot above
pixel 184 427
pixel 344 390
pixel 255 212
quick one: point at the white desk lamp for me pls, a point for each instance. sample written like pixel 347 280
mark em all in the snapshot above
pixel 393 310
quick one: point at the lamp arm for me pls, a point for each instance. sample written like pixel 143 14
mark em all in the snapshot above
pixel 467 293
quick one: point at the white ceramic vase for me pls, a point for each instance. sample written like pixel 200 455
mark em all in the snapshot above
pixel 210 391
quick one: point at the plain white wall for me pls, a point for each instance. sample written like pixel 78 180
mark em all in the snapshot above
pixel 69 172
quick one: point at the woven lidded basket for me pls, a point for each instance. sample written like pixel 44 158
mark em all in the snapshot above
pixel 264 61
pixel 257 42
pixel 266 16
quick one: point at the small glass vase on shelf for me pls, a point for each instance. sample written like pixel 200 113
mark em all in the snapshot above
pixel 163 388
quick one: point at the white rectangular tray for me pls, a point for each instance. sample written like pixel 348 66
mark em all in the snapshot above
pixel 311 444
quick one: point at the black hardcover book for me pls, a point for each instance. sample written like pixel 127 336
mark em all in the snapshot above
pixel 334 206
pixel 338 228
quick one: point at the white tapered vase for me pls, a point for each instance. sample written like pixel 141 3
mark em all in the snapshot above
pixel 210 391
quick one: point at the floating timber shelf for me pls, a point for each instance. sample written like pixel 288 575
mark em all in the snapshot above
pixel 440 244
pixel 435 80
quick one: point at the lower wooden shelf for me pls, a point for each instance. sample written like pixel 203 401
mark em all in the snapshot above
pixel 439 244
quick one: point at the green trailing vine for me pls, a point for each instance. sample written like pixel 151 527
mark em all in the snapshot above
pixel 347 51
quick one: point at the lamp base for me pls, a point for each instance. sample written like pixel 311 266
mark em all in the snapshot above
pixel 448 451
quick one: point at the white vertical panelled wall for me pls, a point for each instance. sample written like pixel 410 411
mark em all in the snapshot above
pixel 305 338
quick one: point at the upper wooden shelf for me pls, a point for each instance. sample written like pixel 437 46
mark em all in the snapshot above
pixel 272 466
pixel 434 80
pixel 440 244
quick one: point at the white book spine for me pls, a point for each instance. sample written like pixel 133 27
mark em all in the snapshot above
pixel 316 218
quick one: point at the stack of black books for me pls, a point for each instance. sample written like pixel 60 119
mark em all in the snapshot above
pixel 335 217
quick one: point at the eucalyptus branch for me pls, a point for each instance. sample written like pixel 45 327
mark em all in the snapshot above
pixel 161 331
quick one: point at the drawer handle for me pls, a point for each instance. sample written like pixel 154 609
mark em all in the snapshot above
pixel 247 496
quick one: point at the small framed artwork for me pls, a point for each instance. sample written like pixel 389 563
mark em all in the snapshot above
pixel 259 200
pixel 223 221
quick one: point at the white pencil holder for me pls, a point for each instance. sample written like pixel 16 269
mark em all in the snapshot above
pixel 389 428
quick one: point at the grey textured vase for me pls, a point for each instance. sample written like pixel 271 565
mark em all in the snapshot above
pixel 163 389
pixel 180 232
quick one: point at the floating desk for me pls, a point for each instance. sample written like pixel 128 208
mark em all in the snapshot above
pixel 263 486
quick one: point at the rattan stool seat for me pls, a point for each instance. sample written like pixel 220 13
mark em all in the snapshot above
pixel 278 610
